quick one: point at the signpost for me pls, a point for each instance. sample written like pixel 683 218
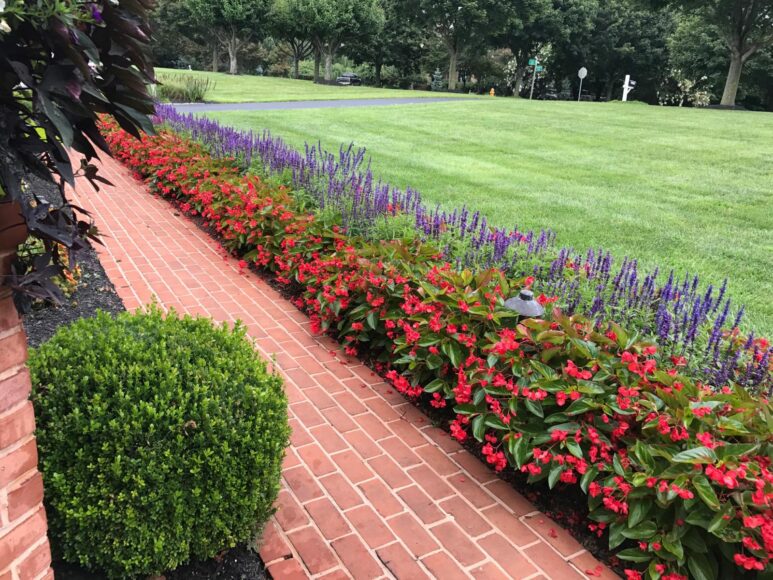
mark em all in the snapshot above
pixel 628 86
pixel 582 73
pixel 535 63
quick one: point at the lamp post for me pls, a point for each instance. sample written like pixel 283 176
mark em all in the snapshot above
pixel 525 305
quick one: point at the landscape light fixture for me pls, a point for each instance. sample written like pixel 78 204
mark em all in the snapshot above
pixel 525 305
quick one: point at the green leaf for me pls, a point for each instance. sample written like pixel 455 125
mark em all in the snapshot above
pixel 642 453
pixel 434 362
pixel 617 466
pixel 555 473
pixel 736 450
pixel 695 455
pixel 543 369
pixel 653 571
pixel 521 451
pixel 694 541
pixel 702 566
pixel 580 406
pixel 616 536
pixel 435 386
pixel 634 555
pixel 574 448
pixel 718 522
pixel 706 491
pixel 642 531
pixel 495 422
pixel 699 516
pixel 478 427
pixel 637 511
pixel 534 407
pixel 587 477
pixel 673 546
pixel 582 347
pixel 453 351
pixel 372 320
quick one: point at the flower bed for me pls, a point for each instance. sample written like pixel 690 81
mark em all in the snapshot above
pixel 687 319
pixel 677 472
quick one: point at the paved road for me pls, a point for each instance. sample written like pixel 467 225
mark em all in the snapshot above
pixel 287 105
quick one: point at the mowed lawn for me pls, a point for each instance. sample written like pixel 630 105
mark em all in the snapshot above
pixel 250 88
pixel 687 189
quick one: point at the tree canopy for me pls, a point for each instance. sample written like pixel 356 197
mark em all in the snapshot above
pixel 662 43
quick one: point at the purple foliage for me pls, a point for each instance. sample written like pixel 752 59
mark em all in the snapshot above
pixel 685 320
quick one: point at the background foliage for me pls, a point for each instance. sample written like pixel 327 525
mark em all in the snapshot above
pixel 678 51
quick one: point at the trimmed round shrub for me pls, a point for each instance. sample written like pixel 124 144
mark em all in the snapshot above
pixel 161 440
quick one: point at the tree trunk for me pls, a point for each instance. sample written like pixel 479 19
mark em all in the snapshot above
pixel 232 44
pixel 377 73
pixel 328 65
pixel 296 66
pixel 610 87
pixel 215 58
pixel 452 74
pixel 733 79
pixel 316 64
pixel 520 72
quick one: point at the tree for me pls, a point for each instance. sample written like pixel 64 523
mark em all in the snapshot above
pixel 746 27
pixel 61 65
pixel 180 37
pixel 529 24
pixel 399 42
pixel 460 24
pixel 697 51
pixel 611 39
pixel 292 24
pixel 233 22
pixel 334 21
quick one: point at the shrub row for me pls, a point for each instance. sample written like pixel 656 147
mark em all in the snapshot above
pixel 677 472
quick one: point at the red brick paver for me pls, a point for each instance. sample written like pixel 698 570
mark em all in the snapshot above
pixel 370 488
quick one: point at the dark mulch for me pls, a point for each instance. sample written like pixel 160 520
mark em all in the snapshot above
pixel 241 563
pixel 94 292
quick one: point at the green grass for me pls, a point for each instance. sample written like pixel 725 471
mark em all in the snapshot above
pixel 687 189
pixel 249 88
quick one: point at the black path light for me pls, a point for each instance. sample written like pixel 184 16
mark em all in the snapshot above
pixel 525 305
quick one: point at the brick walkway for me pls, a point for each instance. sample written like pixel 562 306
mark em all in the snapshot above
pixel 370 489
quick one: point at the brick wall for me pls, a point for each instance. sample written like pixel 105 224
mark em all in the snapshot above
pixel 24 549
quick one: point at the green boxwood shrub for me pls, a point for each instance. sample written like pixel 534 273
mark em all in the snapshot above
pixel 161 440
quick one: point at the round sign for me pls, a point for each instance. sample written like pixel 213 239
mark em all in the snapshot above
pixel 582 73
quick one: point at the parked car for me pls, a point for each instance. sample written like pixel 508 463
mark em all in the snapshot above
pixel 349 78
